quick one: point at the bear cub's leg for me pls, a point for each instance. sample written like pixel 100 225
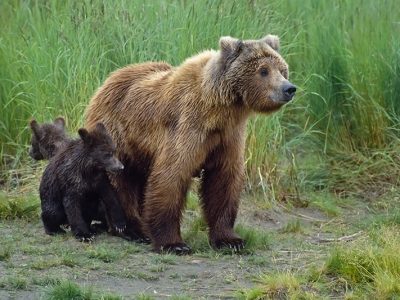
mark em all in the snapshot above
pixel 53 214
pixel 73 210
pixel 111 210
pixel 53 220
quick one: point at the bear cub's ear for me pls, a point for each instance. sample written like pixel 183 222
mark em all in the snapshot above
pixel 101 128
pixel 85 135
pixel 35 128
pixel 230 45
pixel 272 41
pixel 59 122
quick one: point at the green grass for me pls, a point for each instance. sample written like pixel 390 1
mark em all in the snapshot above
pixel 327 203
pixel 46 281
pixel 144 297
pixel 5 253
pixel 282 285
pixel 372 265
pixel 167 259
pixel 68 290
pixel 255 239
pixel 22 206
pixel 104 254
pixel 55 54
pixel 180 297
pixel 367 268
pixel 14 282
pixel 293 226
pixel 338 143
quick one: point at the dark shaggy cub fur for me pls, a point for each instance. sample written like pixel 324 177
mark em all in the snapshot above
pixel 47 138
pixel 75 181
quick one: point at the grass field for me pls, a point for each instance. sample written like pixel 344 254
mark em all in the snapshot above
pixel 324 167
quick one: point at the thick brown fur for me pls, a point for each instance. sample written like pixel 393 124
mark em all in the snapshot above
pixel 169 123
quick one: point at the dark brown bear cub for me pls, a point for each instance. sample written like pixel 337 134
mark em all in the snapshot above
pixel 75 182
pixel 47 138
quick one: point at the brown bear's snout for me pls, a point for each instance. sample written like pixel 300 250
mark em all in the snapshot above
pixel 289 90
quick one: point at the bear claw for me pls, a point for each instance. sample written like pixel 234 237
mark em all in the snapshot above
pixel 235 244
pixel 143 240
pixel 85 239
pixel 120 229
pixel 178 249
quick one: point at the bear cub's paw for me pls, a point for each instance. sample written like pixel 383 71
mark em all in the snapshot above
pixel 98 228
pixel 143 240
pixel 120 227
pixel 132 234
pixel 176 248
pixel 84 237
pixel 235 244
pixel 55 231
pixel 129 236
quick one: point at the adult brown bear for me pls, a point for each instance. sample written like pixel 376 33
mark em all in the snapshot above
pixel 171 122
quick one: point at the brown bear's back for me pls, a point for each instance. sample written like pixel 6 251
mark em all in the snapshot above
pixel 131 102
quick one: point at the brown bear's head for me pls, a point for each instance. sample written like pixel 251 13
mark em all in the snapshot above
pixel 253 72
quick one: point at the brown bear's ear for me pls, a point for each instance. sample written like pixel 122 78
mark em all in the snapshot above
pixel 60 122
pixel 272 41
pixel 35 128
pixel 85 135
pixel 230 47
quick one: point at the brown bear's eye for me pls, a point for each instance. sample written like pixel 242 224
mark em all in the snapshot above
pixel 264 72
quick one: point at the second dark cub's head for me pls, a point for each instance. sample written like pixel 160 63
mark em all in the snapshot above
pixel 47 138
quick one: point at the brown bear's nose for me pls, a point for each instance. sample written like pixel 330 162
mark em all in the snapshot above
pixel 288 91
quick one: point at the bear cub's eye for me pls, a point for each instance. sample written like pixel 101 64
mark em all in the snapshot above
pixel 264 72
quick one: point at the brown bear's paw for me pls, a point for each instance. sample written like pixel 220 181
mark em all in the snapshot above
pixel 176 248
pixel 236 244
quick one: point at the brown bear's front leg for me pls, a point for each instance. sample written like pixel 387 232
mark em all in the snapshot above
pixel 164 202
pixel 222 184
pixel 129 195
pixel 166 191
